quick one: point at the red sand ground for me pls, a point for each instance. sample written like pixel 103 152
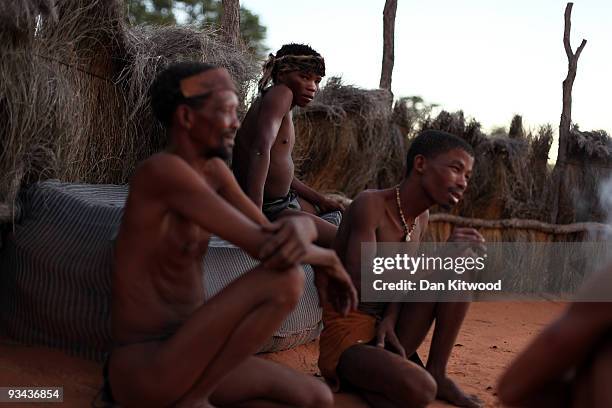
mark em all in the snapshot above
pixel 492 335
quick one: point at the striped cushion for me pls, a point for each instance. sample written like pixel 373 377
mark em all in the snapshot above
pixel 56 267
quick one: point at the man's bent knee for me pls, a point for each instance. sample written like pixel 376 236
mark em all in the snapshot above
pixel 318 395
pixel 418 388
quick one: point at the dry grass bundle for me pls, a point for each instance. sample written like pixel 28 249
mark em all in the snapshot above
pixel 539 148
pixel 596 145
pixel 18 19
pixel 47 87
pixel 502 185
pixel 541 142
pixel 346 141
pixel 456 124
pixel 150 49
pixel 74 95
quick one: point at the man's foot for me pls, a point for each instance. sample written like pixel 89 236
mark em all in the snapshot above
pixel 450 392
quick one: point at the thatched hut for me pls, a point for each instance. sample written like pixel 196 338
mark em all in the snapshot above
pixel 456 124
pixel 589 166
pixel 502 185
pixel 73 99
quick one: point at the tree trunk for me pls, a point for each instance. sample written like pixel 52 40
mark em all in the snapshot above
pixel 230 22
pixel 566 114
pixel 388 44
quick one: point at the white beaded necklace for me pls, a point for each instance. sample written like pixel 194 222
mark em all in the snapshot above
pixel 407 230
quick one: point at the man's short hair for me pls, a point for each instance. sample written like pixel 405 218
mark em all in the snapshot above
pixel 431 143
pixel 165 92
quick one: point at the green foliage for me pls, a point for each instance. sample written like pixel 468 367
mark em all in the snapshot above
pixel 200 13
pixel 409 111
pixel 154 12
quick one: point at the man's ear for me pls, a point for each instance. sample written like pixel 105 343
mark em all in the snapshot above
pixel 419 164
pixel 183 116
pixel 280 77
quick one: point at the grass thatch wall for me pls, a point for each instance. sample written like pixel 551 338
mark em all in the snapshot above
pixel 73 95
pixel 589 165
pixel 504 185
pixel 346 141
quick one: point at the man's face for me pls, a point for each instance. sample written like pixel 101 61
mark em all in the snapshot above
pixel 216 123
pixel 445 176
pixel 304 85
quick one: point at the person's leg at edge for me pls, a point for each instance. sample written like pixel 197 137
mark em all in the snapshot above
pixel 258 383
pixel 221 334
pixel 385 379
pixel 414 323
pixel 591 386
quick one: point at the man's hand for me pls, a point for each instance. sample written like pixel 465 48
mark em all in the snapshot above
pixel 290 242
pixel 385 332
pixel 327 204
pixel 334 285
pixel 473 239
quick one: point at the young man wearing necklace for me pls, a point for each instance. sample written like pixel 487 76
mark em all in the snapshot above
pixel 373 350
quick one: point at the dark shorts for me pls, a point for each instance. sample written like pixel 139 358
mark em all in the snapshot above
pixel 272 207
pixel 106 393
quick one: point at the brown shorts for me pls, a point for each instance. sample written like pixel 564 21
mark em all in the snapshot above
pixel 340 333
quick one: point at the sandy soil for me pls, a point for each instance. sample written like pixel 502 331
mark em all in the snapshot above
pixel 492 335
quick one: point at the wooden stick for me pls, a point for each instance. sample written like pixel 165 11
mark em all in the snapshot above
pixel 516 223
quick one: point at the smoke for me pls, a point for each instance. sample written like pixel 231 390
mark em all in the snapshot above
pixel 605 202
pixel 605 199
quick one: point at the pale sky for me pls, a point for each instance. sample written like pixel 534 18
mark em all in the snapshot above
pixel 491 58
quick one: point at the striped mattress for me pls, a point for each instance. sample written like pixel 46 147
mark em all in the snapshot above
pixel 55 272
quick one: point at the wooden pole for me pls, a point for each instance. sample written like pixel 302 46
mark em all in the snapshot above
pixel 230 22
pixel 566 113
pixel 388 44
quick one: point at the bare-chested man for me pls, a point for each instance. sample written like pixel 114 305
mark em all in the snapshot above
pixel 373 350
pixel 171 347
pixel 569 364
pixel 262 159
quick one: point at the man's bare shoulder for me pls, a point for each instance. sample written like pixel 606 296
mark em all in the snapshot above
pixel 159 170
pixel 213 169
pixel 277 97
pixel 370 197
pixel 367 207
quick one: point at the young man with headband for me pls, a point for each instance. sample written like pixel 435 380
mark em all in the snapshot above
pixel 262 159
pixel 172 348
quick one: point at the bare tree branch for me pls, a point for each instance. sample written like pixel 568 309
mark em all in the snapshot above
pixel 579 50
pixel 567 30
pixel 388 44
pixel 566 115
